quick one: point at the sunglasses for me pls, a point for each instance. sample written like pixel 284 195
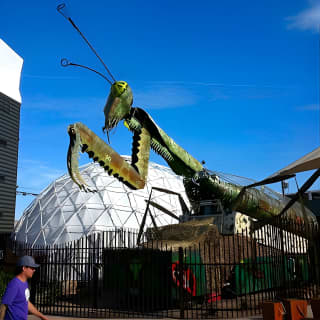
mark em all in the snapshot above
pixel 32 268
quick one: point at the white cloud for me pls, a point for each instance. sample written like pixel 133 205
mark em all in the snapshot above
pixel 33 175
pixel 48 77
pixel 308 19
pixel 164 97
pixel 63 104
pixel 215 84
pixel 309 107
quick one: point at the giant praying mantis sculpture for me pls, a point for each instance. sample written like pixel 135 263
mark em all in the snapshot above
pixel 148 135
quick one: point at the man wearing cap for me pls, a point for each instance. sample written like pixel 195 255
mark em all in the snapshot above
pixel 15 302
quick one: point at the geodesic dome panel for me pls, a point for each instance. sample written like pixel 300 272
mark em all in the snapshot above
pixel 62 212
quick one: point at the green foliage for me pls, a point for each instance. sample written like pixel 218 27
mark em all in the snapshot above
pixel 5 277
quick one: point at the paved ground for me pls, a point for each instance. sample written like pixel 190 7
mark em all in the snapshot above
pixel 67 318
pixel 309 316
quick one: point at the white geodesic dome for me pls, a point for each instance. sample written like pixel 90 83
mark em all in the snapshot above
pixel 62 212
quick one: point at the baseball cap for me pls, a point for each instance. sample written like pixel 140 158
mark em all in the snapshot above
pixel 27 261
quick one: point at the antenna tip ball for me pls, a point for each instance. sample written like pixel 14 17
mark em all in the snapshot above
pixel 61 6
pixel 64 62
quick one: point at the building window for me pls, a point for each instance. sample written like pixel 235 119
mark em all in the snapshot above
pixel 3 143
pixel 2 178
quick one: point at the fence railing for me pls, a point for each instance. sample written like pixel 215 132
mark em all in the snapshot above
pixel 107 275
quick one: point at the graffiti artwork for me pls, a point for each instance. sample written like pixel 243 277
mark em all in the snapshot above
pixel 188 278
pixel 193 276
pixel 253 276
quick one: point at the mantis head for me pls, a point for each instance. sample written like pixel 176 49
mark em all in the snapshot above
pixel 118 105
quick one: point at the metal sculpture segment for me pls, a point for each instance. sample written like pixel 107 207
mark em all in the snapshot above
pixel 199 182
pixel 147 134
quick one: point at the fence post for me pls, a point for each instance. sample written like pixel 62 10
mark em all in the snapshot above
pixel 284 262
pixel 180 277
pixel 315 265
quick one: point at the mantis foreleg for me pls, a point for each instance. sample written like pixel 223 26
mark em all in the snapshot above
pixel 133 175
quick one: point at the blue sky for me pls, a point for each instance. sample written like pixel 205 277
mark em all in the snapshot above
pixel 236 83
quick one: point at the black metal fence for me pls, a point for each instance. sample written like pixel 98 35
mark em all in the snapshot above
pixel 107 275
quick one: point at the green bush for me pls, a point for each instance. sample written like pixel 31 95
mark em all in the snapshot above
pixel 5 277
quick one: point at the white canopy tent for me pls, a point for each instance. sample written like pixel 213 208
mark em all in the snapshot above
pixel 310 161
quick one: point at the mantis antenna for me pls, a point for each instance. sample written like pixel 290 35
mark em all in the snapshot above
pixel 60 9
pixel 66 63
